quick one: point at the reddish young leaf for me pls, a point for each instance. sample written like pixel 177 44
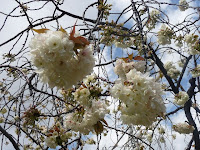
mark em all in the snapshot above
pixel 84 85
pixel 139 58
pixel 104 122
pixel 48 135
pixel 79 41
pixel 51 130
pixel 73 31
pixel 57 129
pixel 83 40
pixel 125 59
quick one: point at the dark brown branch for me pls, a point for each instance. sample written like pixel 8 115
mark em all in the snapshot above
pixel 27 29
pixel 72 15
pixel 131 136
pixel 188 114
pixel 164 71
pixel 4 132
pixel 105 63
pixel 183 71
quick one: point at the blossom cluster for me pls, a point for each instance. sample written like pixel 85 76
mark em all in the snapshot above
pixel 105 8
pixel 122 42
pixel 116 34
pixel 161 130
pixel 179 41
pixel 181 98
pixel 92 108
pixel 181 63
pixel 184 5
pixel 165 35
pixel 85 96
pixel 90 141
pixel 153 19
pixel 122 67
pixel 149 135
pixel 118 41
pixel 140 95
pixel 57 135
pixel 59 63
pixel 196 71
pixel 193 43
pixel 31 116
pixel 183 128
pixel 84 120
pixel 171 70
pixel 112 36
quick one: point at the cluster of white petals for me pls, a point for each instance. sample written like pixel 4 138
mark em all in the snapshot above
pixel 193 43
pixel 181 62
pixel 184 4
pixel 86 95
pixel 181 98
pixel 140 95
pixel 196 71
pixel 153 18
pixel 161 130
pixel 190 39
pixel 165 35
pixel 122 67
pixel 56 61
pixel 90 141
pixel 82 95
pixel 118 41
pixel 107 40
pixel 85 123
pixel 179 41
pixel 124 43
pixel 56 136
pixel 51 142
pixel 162 139
pixel 183 128
pixel 89 79
pixel 171 70
pixel 92 108
pixel 149 137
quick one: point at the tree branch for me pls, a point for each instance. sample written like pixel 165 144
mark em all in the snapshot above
pixel 188 114
pixel 4 132
pixel 183 71
pixel 163 70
